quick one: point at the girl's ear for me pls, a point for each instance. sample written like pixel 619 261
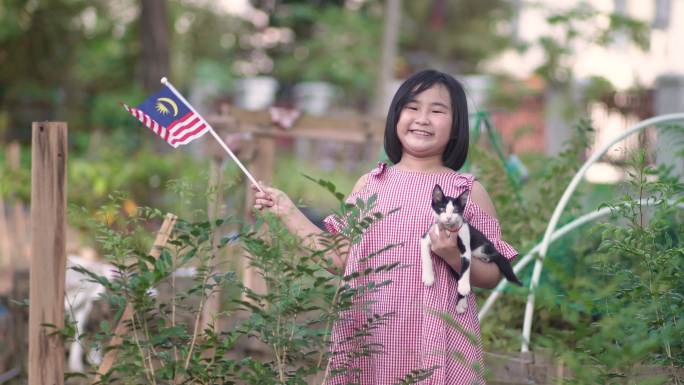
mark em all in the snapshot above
pixel 463 198
pixel 437 195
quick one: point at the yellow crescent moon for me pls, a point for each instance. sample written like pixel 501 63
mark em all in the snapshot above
pixel 172 103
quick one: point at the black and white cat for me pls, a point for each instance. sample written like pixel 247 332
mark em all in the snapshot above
pixel 471 242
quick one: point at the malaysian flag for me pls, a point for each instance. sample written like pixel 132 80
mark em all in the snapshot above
pixel 169 117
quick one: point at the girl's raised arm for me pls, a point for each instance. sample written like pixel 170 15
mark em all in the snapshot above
pixel 278 203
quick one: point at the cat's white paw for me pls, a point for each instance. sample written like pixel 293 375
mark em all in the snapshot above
pixel 462 305
pixel 428 279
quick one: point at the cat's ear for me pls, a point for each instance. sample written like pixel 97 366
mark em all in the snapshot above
pixel 437 195
pixel 463 198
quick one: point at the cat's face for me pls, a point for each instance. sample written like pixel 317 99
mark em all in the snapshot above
pixel 448 210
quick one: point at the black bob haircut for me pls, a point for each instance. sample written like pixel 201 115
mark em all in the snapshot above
pixel 456 151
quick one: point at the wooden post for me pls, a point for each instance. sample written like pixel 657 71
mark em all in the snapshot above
pixel 214 212
pixel 21 282
pixel 13 156
pixel 5 250
pixel 122 326
pixel 390 46
pixel 14 231
pixel 48 260
pixel 263 171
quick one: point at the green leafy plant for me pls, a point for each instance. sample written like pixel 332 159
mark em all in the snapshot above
pixel 634 317
pixel 287 328
pixel 609 305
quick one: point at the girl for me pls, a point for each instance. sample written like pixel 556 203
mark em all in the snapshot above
pixel 426 138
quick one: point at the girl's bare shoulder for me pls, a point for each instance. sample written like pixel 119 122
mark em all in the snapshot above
pixel 480 196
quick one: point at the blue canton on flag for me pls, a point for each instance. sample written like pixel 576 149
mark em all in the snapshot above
pixel 169 117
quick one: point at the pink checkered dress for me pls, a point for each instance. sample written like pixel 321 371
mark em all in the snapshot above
pixel 412 337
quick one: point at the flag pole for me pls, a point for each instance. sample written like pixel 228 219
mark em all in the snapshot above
pixel 218 138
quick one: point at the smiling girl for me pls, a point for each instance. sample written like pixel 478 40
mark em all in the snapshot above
pixel 426 138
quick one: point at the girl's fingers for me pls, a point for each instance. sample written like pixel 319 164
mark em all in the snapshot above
pixel 266 198
pixel 262 204
pixel 262 196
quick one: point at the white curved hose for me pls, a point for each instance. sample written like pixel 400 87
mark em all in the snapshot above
pixel 536 273
pixel 557 234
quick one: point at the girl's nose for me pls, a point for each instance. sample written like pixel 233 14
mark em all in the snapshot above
pixel 422 119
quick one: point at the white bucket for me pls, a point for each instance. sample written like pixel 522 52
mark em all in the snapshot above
pixel 255 93
pixel 314 98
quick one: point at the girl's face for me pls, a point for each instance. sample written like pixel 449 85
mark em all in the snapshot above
pixel 424 125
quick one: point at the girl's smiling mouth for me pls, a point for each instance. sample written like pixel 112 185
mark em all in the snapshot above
pixel 420 132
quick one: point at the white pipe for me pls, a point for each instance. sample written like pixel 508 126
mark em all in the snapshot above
pixel 557 234
pixel 529 308
pixel 528 257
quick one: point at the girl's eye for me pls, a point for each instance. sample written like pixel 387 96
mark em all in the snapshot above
pixel 438 112
pixel 412 108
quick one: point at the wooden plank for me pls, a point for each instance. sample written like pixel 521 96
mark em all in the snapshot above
pixel 643 372
pixel 122 326
pixel 541 368
pixel 508 369
pixel 48 260
pixel 342 135
pixel 343 128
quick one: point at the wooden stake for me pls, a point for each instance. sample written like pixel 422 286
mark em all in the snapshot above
pixel 48 261
pixel 263 166
pixel 122 326
pixel 15 241
pixel 5 250
pixel 214 212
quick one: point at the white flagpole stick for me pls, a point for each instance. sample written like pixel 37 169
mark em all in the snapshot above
pixel 218 138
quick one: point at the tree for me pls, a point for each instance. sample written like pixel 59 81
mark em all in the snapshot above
pixel 154 27
pixel 56 56
pixel 459 34
pixel 331 42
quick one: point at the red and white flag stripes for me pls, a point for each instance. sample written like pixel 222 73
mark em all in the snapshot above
pixel 179 132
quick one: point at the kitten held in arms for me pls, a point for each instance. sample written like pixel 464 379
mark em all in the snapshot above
pixel 471 243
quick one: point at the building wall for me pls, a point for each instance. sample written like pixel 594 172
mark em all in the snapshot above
pixel 522 129
pixel 624 64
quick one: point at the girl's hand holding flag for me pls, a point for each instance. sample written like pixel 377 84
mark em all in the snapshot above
pixel 274 200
